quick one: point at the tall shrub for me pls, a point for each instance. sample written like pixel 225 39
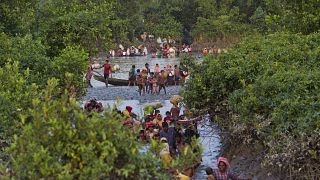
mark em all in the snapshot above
pixel 60 141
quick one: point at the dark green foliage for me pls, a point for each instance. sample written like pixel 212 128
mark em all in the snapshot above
pixel 15 97
pixel 296 16
pixel 61 141
pixel 63 23
pixel 71 63
pixel 258 19
pixel 30 53
pixel 268 87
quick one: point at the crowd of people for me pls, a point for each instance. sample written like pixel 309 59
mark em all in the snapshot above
pixel 154 81
pixel 151 82
pixel 169 130
pixel 165 47
pixel 173 131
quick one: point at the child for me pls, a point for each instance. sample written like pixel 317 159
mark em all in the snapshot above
pixel 165 153
pixel 156 70
pixel 154 83
pixel 168 117
pixel 209 173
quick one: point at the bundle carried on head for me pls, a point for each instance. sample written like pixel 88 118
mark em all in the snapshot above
pixel 156 105
pixel 176 99
pixel 151 107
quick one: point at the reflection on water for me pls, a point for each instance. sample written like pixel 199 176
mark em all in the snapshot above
pixel 209 133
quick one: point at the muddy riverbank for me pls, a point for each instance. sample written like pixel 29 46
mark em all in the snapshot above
pixel 245 160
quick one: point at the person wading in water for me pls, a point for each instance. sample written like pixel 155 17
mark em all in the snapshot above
pixel 222 172
pixel 89 74
pixel 132 76
pixel 162 82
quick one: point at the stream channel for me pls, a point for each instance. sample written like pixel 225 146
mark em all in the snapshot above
pixel 209 132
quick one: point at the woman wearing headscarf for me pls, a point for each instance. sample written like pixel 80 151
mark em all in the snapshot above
pixel 222 172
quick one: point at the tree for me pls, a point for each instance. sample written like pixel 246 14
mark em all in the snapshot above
pixel 75 145
pixel 62 23
pixel 266 89
pixel 295 16
pixel 16 95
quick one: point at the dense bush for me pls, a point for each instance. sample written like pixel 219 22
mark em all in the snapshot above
pixel 15 97
pixel 72 62
pixel 267 88
pixel 60 141
pixel 31 55
pixel 29 52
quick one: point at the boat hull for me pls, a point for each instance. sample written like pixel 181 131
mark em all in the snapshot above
pixel 112 81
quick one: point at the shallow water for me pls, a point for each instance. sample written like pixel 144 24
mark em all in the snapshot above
pixel 209 133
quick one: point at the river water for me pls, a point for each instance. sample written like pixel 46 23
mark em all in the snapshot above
pixel 209 133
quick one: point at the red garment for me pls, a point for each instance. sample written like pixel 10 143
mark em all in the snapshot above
pixel 222 159
pixel 107 68
pixel 129 109
pixel 167 118
pixel 224 176
pixel 149 124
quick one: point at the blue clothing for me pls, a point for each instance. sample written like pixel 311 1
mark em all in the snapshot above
pixel 170 135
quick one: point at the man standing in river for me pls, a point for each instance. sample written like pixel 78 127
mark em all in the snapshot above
pixel 162 79
pixel 107 70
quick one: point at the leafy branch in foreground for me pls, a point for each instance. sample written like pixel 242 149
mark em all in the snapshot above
pixel 60 141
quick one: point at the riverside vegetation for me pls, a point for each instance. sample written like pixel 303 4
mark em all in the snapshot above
pixel 266 90
pixel 266 86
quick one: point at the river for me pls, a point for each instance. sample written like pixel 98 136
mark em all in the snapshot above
pixel 209 133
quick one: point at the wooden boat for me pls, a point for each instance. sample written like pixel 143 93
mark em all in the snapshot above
pixel 112 81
